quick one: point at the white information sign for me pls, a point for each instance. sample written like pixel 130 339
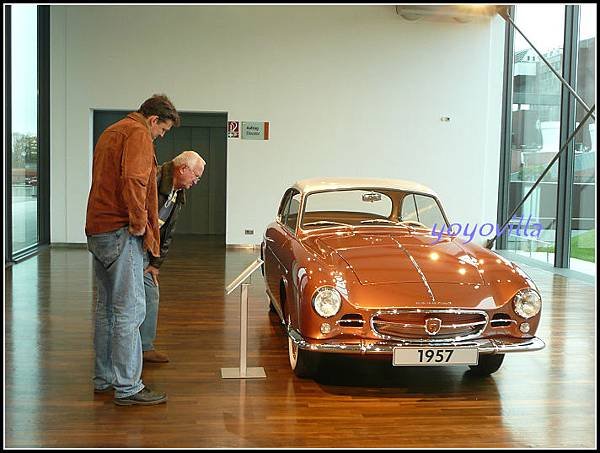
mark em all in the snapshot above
pixel 416 356
pixel 254 130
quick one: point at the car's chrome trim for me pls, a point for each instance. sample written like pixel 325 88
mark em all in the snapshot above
pixel 453 326
pixel 502 322
pixel 345 322
pixel 483 345
pixel 432 339
pixel 418 269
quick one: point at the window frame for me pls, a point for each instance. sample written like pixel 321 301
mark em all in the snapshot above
pixel 284 207
pixel 564 202
pixel 43 136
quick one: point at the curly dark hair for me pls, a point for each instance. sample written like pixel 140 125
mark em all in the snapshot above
pixel 161 106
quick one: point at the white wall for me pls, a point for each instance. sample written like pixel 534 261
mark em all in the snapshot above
pixel 348 91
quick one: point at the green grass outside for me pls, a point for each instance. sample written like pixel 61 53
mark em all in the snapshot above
pixel 582 247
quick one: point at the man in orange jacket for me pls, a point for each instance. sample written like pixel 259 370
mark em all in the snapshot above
pixel 121 226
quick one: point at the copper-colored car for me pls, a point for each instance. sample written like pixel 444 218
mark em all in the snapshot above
pixel 351 266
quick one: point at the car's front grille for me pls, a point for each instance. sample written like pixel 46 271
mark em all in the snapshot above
pixel 429 325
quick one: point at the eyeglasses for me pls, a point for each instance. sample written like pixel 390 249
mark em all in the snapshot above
pixel 196 177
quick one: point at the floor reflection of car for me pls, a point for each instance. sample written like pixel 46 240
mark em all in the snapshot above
pixel 351 267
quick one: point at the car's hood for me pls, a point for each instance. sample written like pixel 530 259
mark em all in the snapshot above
pixel 404 258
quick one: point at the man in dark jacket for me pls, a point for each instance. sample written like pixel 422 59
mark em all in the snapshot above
pixel 173 178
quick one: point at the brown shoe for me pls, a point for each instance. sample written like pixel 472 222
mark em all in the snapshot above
pixel 154 356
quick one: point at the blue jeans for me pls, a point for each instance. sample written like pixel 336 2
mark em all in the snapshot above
pixel 148 327
pixel 120 310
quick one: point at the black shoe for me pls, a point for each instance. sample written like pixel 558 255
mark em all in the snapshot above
pixel 144 397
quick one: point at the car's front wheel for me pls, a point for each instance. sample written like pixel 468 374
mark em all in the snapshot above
pixel 304 363
pixel 487 365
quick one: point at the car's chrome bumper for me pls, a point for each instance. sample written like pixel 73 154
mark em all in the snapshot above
pixel 363 346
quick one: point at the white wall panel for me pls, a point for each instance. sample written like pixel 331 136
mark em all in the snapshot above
pixel 348 91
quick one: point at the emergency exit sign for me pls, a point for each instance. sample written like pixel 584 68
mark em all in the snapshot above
pixel 254 130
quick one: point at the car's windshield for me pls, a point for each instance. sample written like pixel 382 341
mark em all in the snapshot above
pixel 368 207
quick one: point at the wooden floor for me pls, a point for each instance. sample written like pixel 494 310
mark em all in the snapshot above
pixel 539 399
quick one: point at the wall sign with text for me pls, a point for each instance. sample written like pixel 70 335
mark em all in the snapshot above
pixel 254 130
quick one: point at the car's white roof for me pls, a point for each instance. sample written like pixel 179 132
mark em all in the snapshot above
pixel 331 183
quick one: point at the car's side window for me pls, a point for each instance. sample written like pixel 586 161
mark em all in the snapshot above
pixel 283 206
pixel 428 211
pixel 291 218
pixel 422 209
pixel 409 209
pixel 290 206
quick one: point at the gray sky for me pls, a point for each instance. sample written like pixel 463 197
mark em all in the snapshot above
pixel 24 69
pixel 544 25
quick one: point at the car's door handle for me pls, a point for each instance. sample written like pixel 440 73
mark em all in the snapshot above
pixel 270 240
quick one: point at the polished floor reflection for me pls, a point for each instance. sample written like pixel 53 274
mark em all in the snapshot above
pixel 541 399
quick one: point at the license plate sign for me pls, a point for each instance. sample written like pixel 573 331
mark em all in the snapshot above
pixel 435 356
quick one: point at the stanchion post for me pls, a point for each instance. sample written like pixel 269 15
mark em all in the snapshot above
pixel 243 327
pixel 243 372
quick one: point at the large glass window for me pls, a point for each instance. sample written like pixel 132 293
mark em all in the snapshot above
pixel 535 124
pixel 24 119
pixel 583 216
pixel 542 114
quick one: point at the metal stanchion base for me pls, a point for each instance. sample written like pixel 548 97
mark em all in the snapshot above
pixel 251 373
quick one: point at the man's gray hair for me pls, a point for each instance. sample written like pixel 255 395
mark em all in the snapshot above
pixel 189 159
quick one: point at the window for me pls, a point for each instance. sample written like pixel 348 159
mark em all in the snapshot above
pixel 535 122
pixel 409 209
pixel 583 217
pixel 539 115
pixel 288 211
pixel 355 201
pixel 291 217
pixel 422 209
pixel 24 122
pixel 429 211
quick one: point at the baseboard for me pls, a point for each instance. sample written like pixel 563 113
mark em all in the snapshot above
pixel 69 245
pixel 569 273
pixel 242 246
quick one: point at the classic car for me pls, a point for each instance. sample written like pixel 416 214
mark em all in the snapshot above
pixel 351 266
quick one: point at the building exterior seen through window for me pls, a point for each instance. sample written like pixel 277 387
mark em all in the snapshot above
pixel 535 127
pixel 583 215
pixel 24 114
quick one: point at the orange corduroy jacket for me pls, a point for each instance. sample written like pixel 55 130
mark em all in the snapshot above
pixel 123 188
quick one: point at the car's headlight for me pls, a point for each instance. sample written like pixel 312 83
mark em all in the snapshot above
pixel 327 301
pixel 527 303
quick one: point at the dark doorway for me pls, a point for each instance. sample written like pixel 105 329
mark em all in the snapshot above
pixel 204 133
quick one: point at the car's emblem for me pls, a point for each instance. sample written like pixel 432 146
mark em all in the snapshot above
pixel 433 325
